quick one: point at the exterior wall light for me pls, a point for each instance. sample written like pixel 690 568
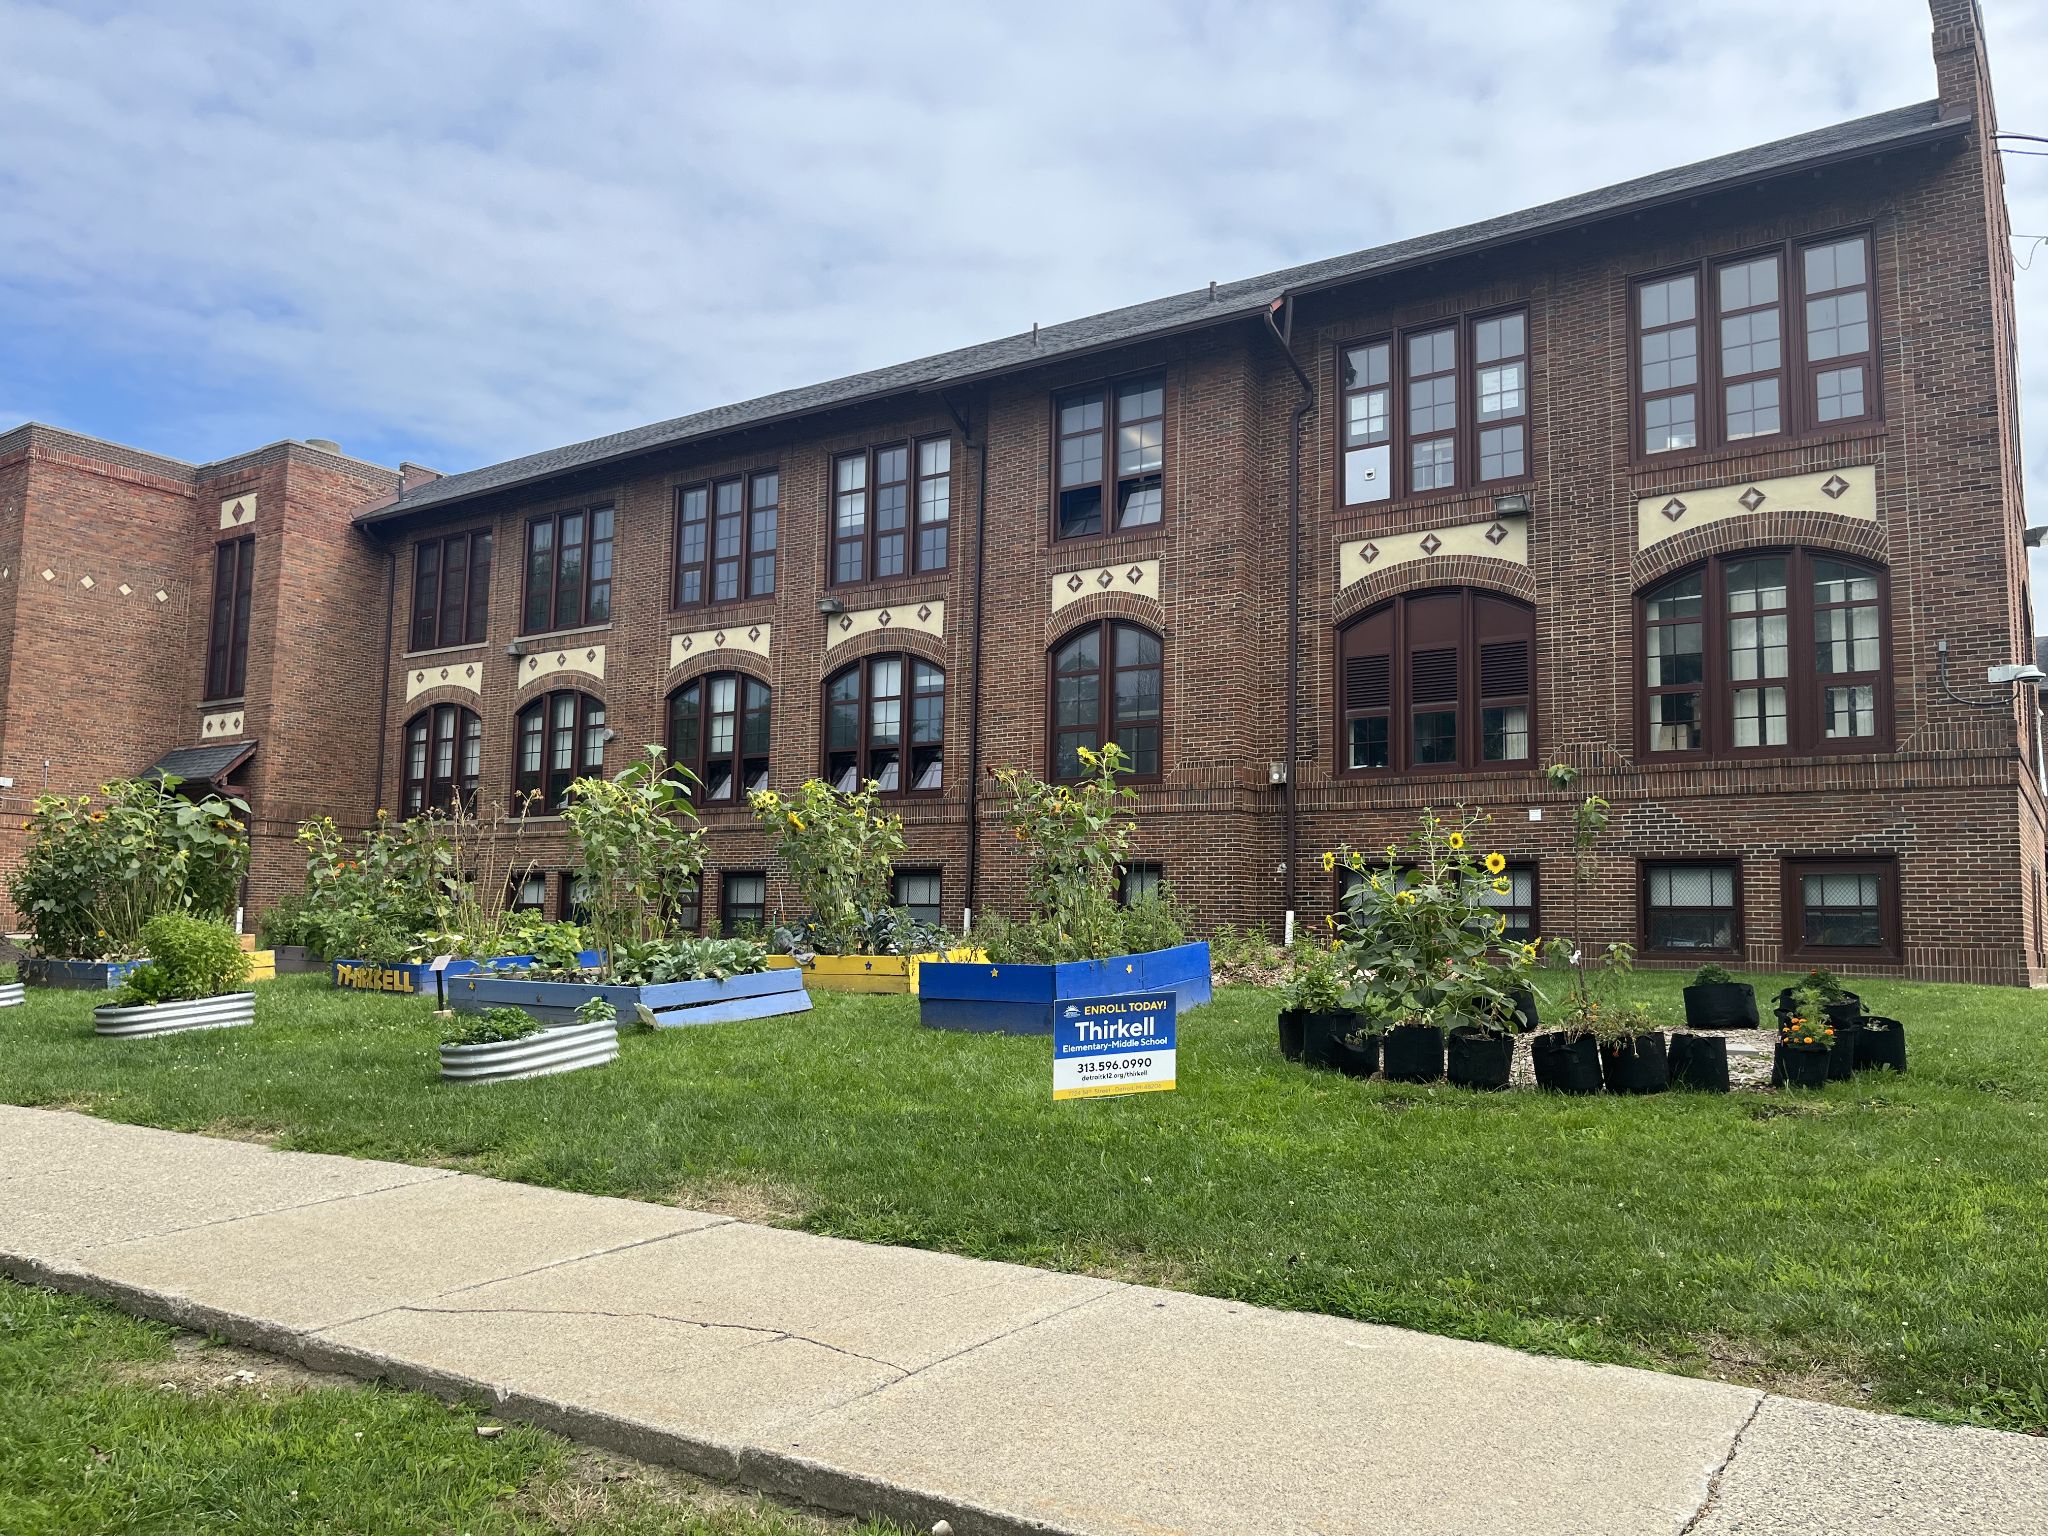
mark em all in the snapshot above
pixel 1514 504
pixel 831 607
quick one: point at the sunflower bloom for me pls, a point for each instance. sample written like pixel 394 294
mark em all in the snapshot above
pixel 1455 842
pixel 1495 863
pixel 1329 861
pixel 1501 886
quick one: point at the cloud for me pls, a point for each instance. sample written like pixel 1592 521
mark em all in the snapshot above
pixel 458 234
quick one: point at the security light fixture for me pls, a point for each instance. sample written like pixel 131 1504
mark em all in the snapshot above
pixel 1513 504
pixel 831 607
pixel 2009 675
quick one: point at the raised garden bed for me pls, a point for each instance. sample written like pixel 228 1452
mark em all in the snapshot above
pixel 296 960
pixel 1022 999
pixel 897 974
pixel 12 994
pixel 674 1004
pixel 418 976
pixel 563 1048
pixel 83 975
pixel 145 1020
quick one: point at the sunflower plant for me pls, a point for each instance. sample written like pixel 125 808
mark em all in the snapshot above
pixel 839 849
pixel 1421 931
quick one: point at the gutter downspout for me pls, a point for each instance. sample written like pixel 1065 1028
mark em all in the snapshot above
pixel 384 684
pixel 974 657
pixel 1308 400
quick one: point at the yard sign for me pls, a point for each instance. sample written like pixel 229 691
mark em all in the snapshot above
pixel 1111 1045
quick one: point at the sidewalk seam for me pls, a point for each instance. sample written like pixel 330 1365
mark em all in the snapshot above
pixel 434 1175
pixel 1714 1478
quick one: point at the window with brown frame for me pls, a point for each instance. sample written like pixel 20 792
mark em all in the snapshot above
pixel 451 590
pixel 1766 652
pixel 1438 442
pixel 1106 683
pixel 443 756
pixel 885 720
pixel 1437 680
pixel 227 637
pixel 560 739
pixel 568 570
pixel 726 534
pixel 1517 904
pixel 1138 882
pixel 718 729
pixel 1110 482
pixel 1692 908
pixel 528 891
pixel 1760 377
pixel 1841 908
pixel 917 891
pixel 891 510
pixel 742 901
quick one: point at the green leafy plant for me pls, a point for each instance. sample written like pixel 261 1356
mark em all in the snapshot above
pixel 93 875
pixel 686 959
pixel 839 849
pixel 1590 980
pixel 1713 976
pixel 290 922
pixel 596 1010
pixel 378 896
pixel 485 864
pixel 1421 931
pixel 491 1026
pixel 1318 984
pixel 641 848
pixel 189 958
pixel 1808 1023
pixel 1824 983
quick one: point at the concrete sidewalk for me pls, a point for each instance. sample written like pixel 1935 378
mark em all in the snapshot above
pixel 920 1386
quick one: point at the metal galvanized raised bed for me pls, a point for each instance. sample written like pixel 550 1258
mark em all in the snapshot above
pixel 147 1019
pixel 12 993
pixel 564 1048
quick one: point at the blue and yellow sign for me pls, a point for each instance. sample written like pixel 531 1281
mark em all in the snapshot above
pixel 1102 1046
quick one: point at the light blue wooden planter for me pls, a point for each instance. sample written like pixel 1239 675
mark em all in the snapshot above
pixel 674 1004
pixel 84 975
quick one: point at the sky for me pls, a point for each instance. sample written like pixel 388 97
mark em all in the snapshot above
pixel 455 234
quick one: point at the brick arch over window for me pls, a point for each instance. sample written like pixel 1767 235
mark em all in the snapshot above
pixel 1092 607
pixel 885 720
pixel 1850 536
pixel 1768 651
pixel 1504 578
pixel 442 758
pixel 1105 681
pixel 877 642
pixel 1434 681
pixel 717 726
pixel 557 738
pixel 721 659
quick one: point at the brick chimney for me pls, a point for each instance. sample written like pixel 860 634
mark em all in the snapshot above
pixel 1961 73
pixel 411 476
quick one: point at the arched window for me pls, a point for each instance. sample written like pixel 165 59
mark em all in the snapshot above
pixel 443 751
pixel 1766 652
pixel 1106 687
pixel 885 719
pixel 561 739
pixel 718 729
pixel 1433 681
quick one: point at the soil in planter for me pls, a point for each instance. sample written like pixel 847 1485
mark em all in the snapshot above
pixel 1846 1011
pixel 1699 1062
pixel 1881 1043
pixel 1723 1005
pixel 1320 1033
pixel 1360 1060
pixel 1290 1033
pixel 1413 1053
pixel 1800 1066
pixel 1479 1059
pixel 1636 1065
pixel 1566 1063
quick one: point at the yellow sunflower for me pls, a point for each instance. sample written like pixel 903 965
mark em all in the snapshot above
pixel 1528 951
pixel 1406 898
pixel 1455 842
pixel 1501 887
pixel 1329 861
pixel 1495 863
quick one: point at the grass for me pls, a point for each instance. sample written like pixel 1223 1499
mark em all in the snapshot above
pixel 1878 1243
pixel 116 1425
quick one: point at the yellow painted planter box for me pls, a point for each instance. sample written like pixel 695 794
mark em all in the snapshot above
pixel 866 973
pixel 262 964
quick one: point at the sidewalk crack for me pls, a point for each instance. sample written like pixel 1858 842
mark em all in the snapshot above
pixel 1714 1478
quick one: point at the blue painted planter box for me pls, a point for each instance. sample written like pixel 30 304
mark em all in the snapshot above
pixel 1023 999
pixel 85 975
pixel 417 978
pixel 674 1004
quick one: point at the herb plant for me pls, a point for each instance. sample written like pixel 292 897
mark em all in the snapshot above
pixel 189 958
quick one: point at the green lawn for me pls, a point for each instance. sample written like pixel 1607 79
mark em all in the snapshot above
pixel 114 1425
pixel 1882 1242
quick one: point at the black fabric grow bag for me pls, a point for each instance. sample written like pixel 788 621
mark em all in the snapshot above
pixel 1723 1005
pixel 1320 1033
pixel 1636 1065
pixel 1881 1043
pixel 1476 1059
pixel 1699 1062
pixel 1413 1053
pixel 1566 1063
pixel 1800 1066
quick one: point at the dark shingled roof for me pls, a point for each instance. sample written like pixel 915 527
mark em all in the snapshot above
pixel 202 765
pixel 1899 128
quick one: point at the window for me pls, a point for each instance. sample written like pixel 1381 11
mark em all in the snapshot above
pixel 1106 686
pixel 1761 377
pixel 718 729
pixel 443 753
pixel 451 590
pixel 1438 445
pixel 1437 680
pixel 1139 881
pixel 1126 476
pixel 866 706
pixel 725 539
pixel 1692 908
pixel 1517 904
pixel 742 901
pixel 561 739
pixel 529 892
pixel 891 510
pixel 917 892
pixel 227 638
pixel 1841 908
pixel 575 898
pixel 686 913
pixel 568 570
pixel 1766 652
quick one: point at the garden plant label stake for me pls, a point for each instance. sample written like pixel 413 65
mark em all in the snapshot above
pixel 1111 1045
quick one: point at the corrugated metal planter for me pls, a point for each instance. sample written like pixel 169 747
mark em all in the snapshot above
pixel 1021 999
pixel 139 1023
pixel 760 995
pixel 12 993
pixel 561 1049
pixel 86 975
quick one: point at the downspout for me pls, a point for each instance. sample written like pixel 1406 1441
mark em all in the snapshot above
pixel 1308 400
pixel 384 685
pixel 974 657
